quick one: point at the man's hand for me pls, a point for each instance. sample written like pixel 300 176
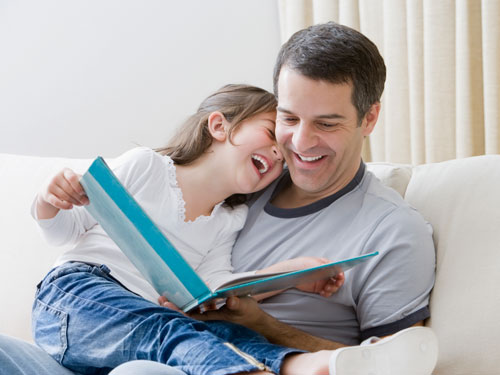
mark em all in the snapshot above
pixel 244 311
pixel 247 312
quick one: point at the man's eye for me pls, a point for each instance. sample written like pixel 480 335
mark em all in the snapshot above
pixel 326 125
pixel 289 120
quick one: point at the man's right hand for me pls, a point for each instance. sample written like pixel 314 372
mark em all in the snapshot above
pixel 244 311
pixel 247 312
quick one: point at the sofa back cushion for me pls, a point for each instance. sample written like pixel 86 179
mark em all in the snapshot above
pixel 396 176
pixel 461 199
pixel 24 256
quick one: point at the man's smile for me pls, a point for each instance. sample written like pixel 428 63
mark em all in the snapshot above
pixel 309 158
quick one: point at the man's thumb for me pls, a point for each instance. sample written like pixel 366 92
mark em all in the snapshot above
pixel 233 303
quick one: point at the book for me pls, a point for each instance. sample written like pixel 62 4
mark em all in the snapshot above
pixel 161 264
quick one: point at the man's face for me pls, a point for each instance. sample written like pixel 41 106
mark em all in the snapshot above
pixel 317 131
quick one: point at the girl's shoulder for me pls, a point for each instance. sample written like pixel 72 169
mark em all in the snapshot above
pixel 133 156
pixel 138 164
pixel 141 158
pixel 234 217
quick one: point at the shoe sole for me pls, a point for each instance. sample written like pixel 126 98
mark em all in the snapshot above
pixel 413 351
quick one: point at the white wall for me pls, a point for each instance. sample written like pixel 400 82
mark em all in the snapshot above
pixel 88 77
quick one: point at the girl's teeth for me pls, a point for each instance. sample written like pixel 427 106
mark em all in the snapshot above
pixel 265 167
pixel 309 158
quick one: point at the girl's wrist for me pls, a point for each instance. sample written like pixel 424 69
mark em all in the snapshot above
pixel 44 210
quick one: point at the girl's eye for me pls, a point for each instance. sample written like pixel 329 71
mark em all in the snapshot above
pixel 271 133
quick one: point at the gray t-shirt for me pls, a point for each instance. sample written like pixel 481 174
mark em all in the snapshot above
pixel 381 296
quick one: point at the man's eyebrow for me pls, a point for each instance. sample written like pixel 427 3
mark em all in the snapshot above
pixel 331 116
pixel 281 109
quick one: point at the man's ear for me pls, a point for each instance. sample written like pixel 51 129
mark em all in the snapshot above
pixel 370 119
pixel 217 126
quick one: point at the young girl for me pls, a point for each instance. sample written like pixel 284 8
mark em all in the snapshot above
pixel 94 310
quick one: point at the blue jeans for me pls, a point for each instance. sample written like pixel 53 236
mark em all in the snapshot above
pixel 91 324
pixel 19 357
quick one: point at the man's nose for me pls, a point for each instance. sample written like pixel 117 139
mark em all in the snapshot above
pixel 303 137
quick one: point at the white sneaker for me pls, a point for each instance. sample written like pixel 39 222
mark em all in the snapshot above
pixel 412 351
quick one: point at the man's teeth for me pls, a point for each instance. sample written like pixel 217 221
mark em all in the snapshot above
pixel 264 167
pixel 309 158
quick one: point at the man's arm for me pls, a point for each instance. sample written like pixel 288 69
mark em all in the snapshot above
pixel 246 311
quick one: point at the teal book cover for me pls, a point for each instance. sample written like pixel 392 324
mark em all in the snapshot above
pixel 161 264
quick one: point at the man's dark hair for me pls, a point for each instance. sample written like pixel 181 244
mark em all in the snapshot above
pixel 336 54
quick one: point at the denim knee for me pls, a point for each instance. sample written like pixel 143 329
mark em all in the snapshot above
pixel 49 329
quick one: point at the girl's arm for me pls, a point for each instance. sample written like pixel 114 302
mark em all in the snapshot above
pixel 325 287
pixel 53 209
pixel 61 193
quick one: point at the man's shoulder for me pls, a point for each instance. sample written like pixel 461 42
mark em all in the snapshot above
pixel 376 190
pixel 393 220
pixel 375 198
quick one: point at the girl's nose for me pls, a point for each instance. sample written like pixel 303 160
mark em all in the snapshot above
pixel 277 153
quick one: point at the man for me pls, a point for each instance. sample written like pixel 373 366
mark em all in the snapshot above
pixel 329 80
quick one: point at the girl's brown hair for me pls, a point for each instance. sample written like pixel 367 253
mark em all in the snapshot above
pixel 237 103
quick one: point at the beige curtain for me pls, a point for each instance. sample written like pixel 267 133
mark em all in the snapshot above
pixel 442 95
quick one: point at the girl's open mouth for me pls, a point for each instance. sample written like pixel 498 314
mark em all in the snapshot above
pixel 260 163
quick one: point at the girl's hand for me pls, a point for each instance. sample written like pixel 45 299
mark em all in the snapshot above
pixel 163 301
pixel 62 193
pixel 324 288
pixel 206 306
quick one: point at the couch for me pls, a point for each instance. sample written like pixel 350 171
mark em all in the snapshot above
pixel 460 198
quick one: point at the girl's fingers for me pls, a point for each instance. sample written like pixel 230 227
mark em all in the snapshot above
pixel 64 191
pixel 339 279
pixel 332 285
pixel 73 180
pixel 61 193
pixel 58 203
pixel 69 183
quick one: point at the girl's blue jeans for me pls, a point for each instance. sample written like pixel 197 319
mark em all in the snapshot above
pixel 90 324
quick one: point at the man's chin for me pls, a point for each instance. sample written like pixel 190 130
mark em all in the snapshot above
pixel 304 183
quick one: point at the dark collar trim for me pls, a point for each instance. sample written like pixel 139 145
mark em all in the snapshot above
pixel 288 213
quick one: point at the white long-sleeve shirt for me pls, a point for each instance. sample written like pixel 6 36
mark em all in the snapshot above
pixel 206 243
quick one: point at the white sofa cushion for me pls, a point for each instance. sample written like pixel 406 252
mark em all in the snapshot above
pixel 461 198
pixel 24 256
pixel 396 176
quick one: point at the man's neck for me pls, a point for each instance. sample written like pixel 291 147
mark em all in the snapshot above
pixel 290 195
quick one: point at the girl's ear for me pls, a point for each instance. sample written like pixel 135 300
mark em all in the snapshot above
pixel 217 126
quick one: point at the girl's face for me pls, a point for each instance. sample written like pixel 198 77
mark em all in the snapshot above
pixel 253 156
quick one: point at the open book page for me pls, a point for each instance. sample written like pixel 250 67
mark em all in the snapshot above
pixel 262 283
